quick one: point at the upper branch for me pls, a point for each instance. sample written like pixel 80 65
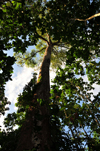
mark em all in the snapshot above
pixel 42 38
pixel 96 15
pixel 56 43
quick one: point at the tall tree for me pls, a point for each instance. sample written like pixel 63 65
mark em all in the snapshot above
pixel 54 23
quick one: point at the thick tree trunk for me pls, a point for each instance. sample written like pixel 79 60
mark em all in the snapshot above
pixel 31 136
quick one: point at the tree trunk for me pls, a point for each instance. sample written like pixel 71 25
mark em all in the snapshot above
pixel 31 136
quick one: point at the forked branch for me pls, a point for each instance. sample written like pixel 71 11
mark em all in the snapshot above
pixel 42 38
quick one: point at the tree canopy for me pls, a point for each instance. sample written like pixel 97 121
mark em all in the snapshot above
pixel 75 38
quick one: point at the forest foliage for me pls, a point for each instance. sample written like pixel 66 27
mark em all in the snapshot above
pixel 73 105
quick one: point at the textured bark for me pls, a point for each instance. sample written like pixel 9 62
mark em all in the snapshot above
pixel 30 137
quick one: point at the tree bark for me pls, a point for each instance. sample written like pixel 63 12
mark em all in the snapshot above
pixel 30 136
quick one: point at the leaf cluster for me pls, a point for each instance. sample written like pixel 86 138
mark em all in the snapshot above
pixel 78 107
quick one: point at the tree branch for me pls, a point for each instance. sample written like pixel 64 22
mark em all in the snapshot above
pixel 96 15
pixel 34 54
pixel 48 37
pixel 56 43
pixel 42 38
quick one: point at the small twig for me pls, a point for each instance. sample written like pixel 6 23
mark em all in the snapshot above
pixel 34 54
pixel 56 43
